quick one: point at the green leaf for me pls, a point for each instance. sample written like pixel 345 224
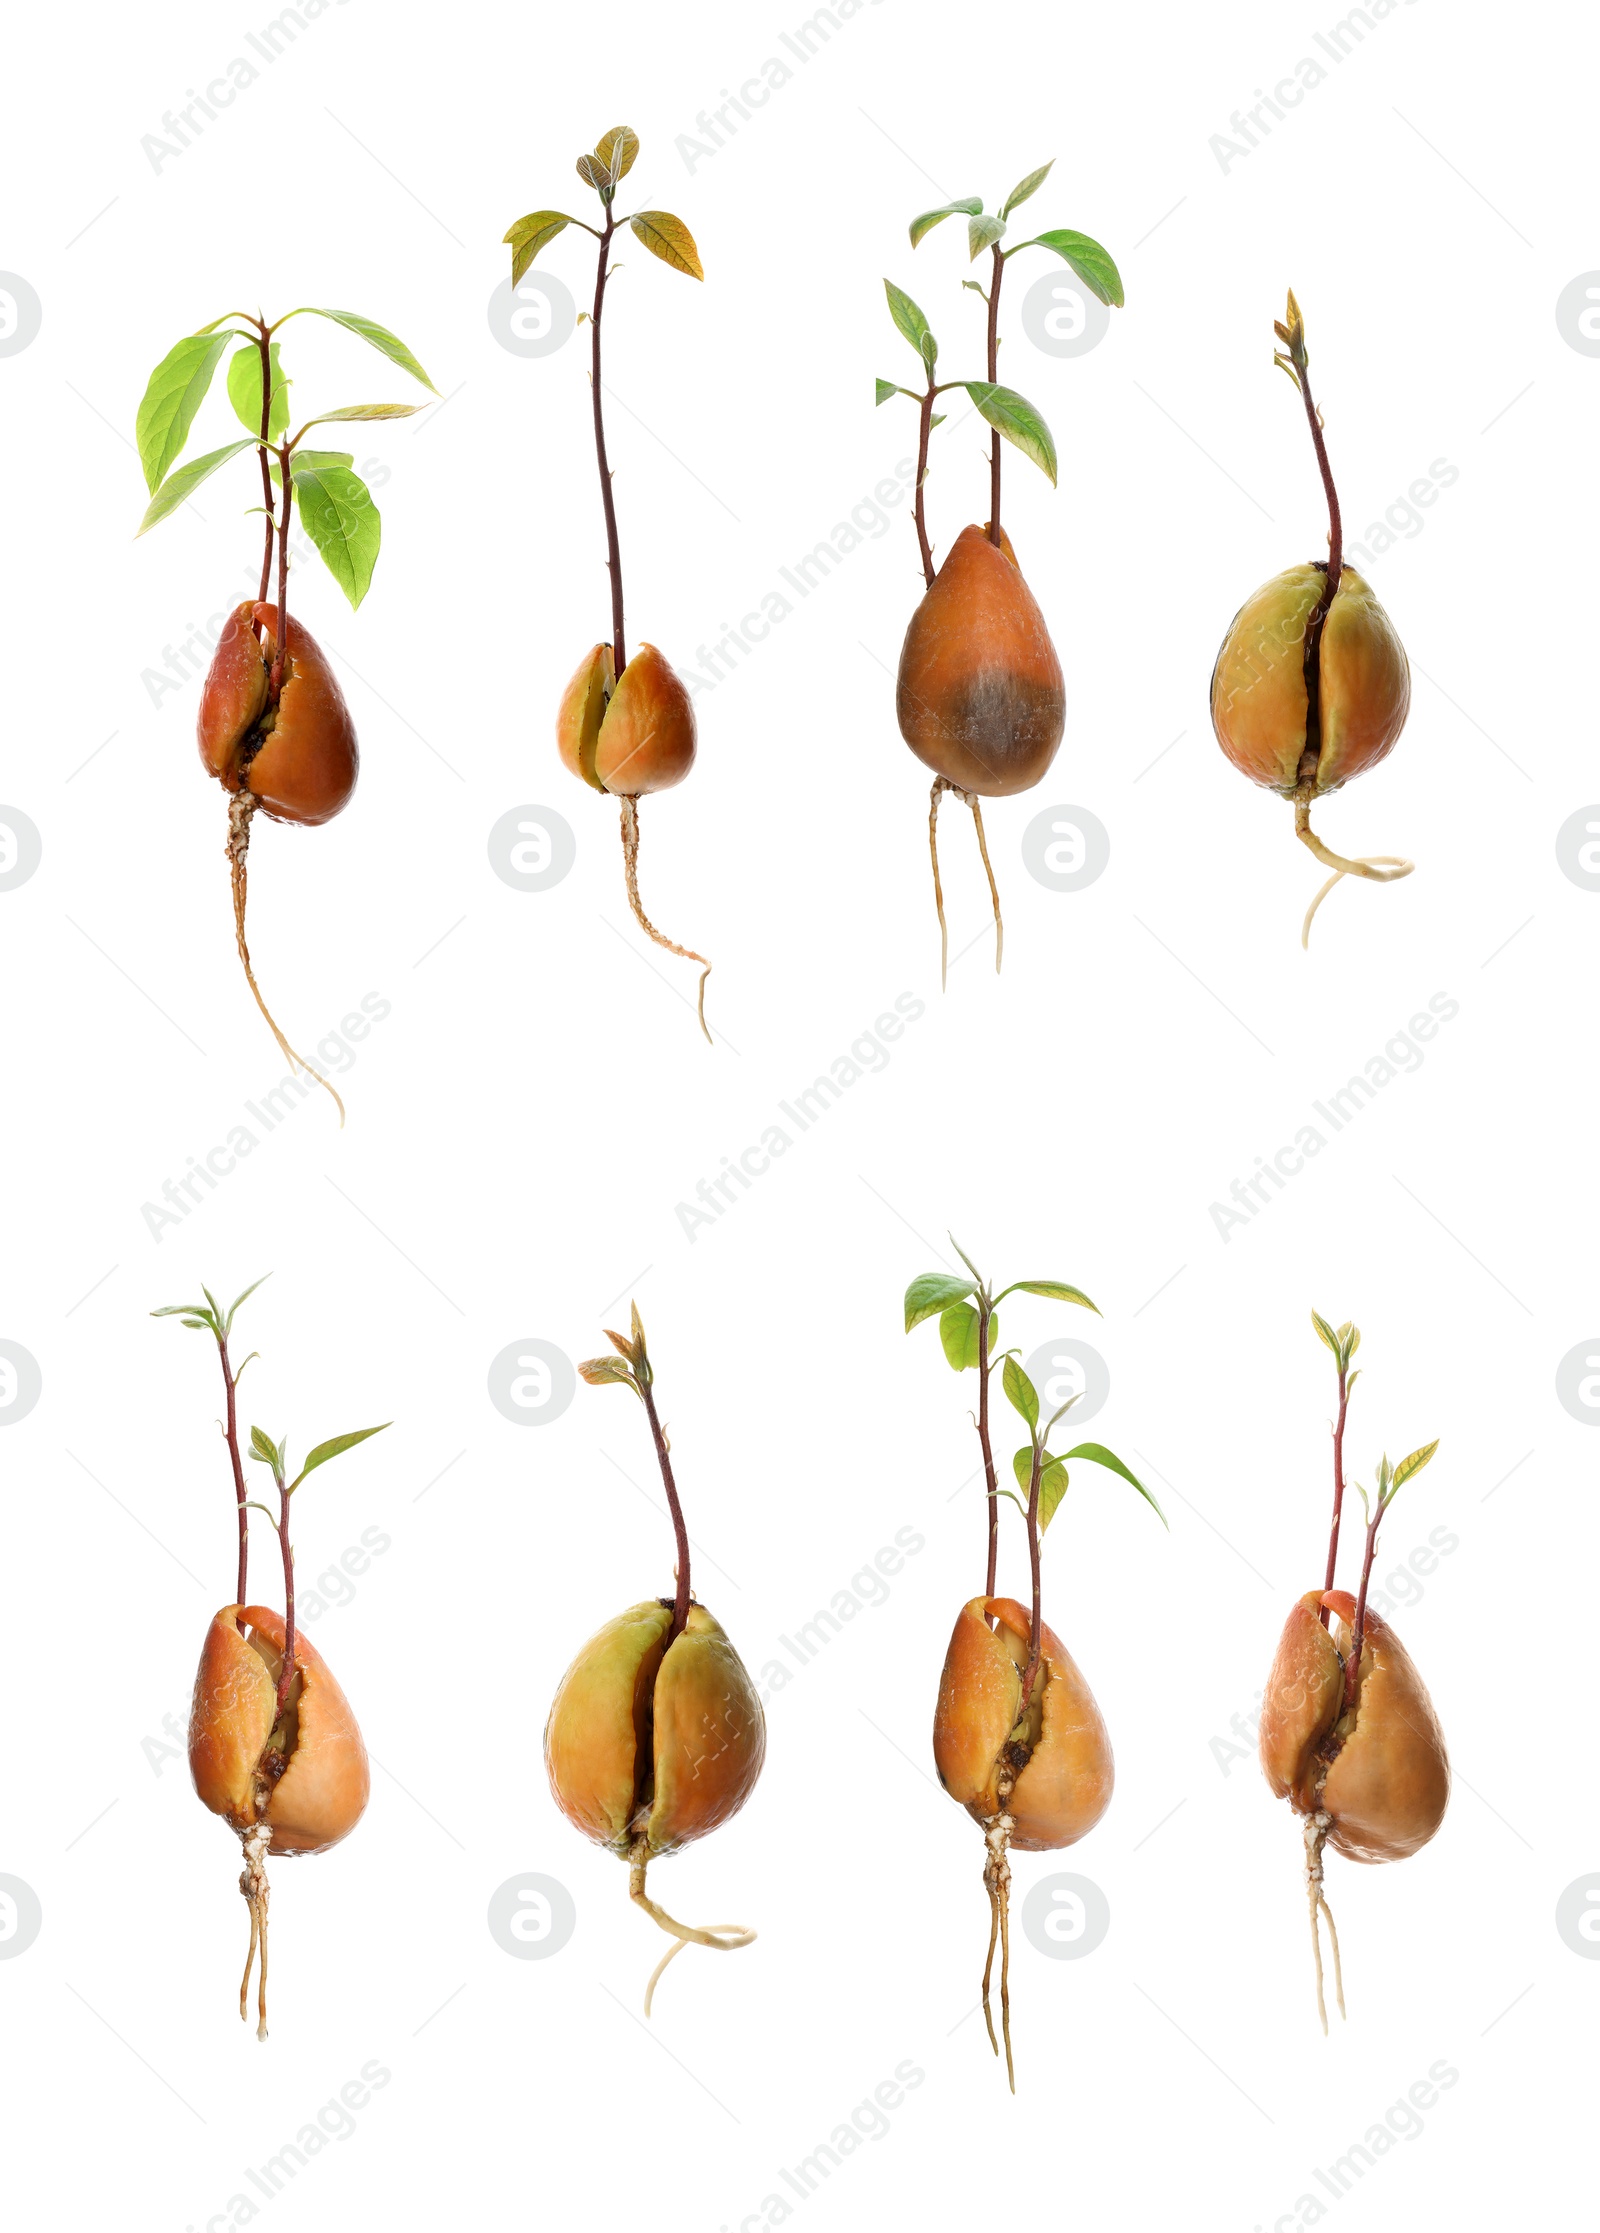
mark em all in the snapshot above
pixel 923 225
pixel 1055 1290
pixel 669 238
pixel 1020 1391
pixel 1407 1467
pixel 887 388
pixel 181 1310
pixel 1052 1488
pixel 932 1293
pixel 305 461
pixel 529 234
pixel 1098 1454
pixel 1016 418
pixel 344 523
pixel 336 1446
pixel 174 393
pixel 363 412
pixel 617 151
pixel 982 233
pixel 1087 258
pixel 958 1331
pixel 1027 188
pixel 263 1447
pixel 1327 1336
pixel 233 1309
pixel 244 390
pixel 178 487
pixel 1052 1482
pixel 910 322
pixel 370 331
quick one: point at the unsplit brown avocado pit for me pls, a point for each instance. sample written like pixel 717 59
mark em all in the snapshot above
pixel 980 697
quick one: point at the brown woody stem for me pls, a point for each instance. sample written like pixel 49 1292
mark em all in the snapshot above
pixel 286 1671
pixel 1031 1676
pixel 264 343
pixel 680 1607
pixel 230 1382
pixel 990 1481
pixel 1338 1493
pixel 280 655
pixel 619 649
pixel 1358 1627
pixel 999 266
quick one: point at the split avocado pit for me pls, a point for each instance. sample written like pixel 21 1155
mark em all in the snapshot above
pixel 293 757
pixel 294 1778
pixel 1311 686
pixel 654 1740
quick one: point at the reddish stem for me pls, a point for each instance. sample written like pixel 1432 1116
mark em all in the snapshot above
pixel 286 1672
pixel 994 376
pixel 231 1431
pixel 1335 524
pixel 1338 1493
pixel 619 649
pixel 1034 1648
pixel 924 432
pixel 264 343
pixel 275 680
pixel 990 1481
pixel 1358 1629
pixel 680 1608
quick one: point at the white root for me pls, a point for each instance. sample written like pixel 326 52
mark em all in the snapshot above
pixel 722 1938
pixel 1315 1831
pixel 253 1884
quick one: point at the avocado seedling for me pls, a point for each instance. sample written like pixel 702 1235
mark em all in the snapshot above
pixel 1348 1732
pixel 274 728
pixel 624 726
pixel 656 1735
pixel 979 695
pixel 274 1748
pixel 1311 687
pixel 1018 1739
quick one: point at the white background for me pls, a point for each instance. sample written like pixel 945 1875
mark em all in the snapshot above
pixel 526 1121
